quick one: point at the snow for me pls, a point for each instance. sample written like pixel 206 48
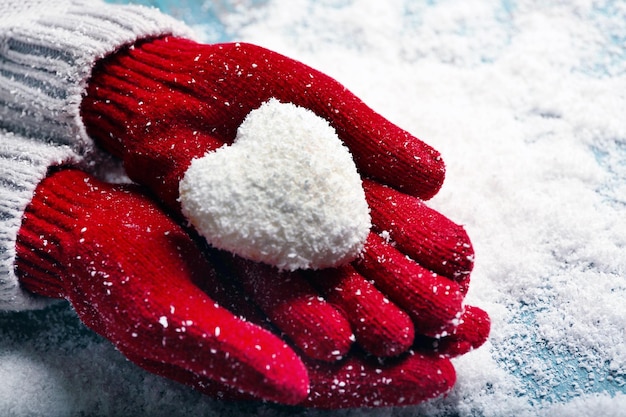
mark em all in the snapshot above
pixel 286 192
pixel 525 99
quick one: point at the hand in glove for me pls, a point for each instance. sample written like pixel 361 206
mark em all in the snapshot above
pixel 136 277
pixel 164 103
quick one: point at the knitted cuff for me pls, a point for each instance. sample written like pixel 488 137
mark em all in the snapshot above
pixel 141 106
pixel 47 53
pixel 50 221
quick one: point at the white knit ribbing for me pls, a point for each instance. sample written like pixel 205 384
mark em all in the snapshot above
pixel 45 62
pixel 23 163
pixel 47 52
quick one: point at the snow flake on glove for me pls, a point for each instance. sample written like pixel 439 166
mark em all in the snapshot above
pixel 286 192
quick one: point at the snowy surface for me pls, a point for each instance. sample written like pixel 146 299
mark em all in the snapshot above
pixel 526 102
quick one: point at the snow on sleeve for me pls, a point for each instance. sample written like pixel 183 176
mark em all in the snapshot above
pixel 286 192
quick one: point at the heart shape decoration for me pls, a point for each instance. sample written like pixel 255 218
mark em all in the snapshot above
pixel 286 192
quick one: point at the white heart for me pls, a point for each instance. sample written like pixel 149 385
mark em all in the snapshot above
pixel 286 192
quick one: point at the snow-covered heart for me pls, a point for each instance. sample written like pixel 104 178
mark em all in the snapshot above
pixel 286 192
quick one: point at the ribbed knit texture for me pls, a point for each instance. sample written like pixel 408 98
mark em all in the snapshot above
pixel 470 332
pixel 47 52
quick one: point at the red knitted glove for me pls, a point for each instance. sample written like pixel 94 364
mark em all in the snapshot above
pixel 135 276
pixel 132 274
pixel 162 103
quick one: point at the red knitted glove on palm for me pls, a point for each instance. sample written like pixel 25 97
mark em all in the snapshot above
pixel 133 275
pixel 136 277
pixel 163 103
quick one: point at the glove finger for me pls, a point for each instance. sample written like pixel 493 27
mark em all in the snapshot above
pixel 432 301
pixel 361 381
pixel 296 308
pixel 428 237
pixel 380 327
pixel 470 333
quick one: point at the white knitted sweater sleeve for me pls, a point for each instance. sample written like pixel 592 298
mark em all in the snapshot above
pixel 47 51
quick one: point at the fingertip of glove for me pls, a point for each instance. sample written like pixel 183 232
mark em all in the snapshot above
pixel 471 333
pixel 476 326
